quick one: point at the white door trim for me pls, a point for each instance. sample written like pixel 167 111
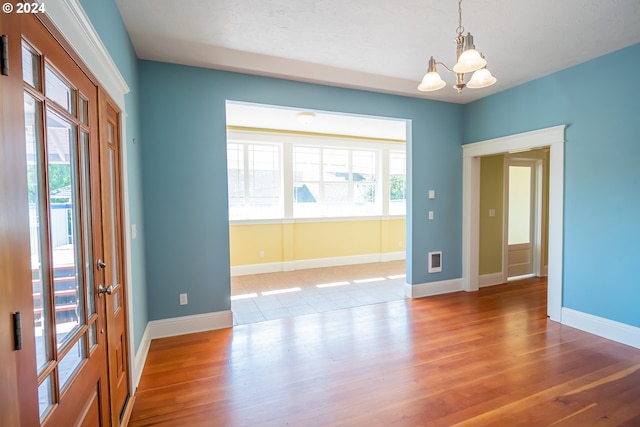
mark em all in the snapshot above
pixel 552 137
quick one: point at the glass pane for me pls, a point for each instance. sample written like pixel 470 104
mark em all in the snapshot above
pixel 45 396
pixel 364 166
pixel 519 204
pixel 59 91
pixel 86 223
pixel 335 165
pixel 110 132
pixel 30 66
pixel 306 164
pixel 92 336
pixel 33 124
pixel 84 111
pixel 364 194
pixel 397 183
pixel 116 301
pixel 235 177
pixel 306 199
pixel 114 217
pixel 70 362
pixel 63 225
pixel 264 176
pixel 336 199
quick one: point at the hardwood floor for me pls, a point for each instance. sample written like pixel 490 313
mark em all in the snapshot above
pixel 489 358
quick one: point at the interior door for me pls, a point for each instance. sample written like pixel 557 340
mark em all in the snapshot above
pixel 520 217
pixel 61 153
pixel 113 288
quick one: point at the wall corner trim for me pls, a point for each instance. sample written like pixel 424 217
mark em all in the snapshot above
pixel 610 329
pixel 190 324
pixel 432 288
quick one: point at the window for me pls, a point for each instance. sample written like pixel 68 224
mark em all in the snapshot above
pixel 255 181
pixel 334 182
pixel 303 176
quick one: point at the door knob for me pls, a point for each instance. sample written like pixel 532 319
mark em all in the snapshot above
pixel 101 264
pixel 102 289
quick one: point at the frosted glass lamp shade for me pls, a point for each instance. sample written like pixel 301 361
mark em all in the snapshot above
pixel 481 78
pixel 431 81
pixel 470 60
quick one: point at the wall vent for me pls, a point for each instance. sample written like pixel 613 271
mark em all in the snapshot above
pixel 435 262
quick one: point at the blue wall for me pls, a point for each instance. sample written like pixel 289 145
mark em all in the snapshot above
pixel 105 17
pixel 602 173
pixel 185 182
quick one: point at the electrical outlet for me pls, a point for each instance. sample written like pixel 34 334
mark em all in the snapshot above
pixel 261 254
pixel 184 299
pixel 400 244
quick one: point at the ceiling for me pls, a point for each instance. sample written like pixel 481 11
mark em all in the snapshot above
pixel 323 122
pixel 379 45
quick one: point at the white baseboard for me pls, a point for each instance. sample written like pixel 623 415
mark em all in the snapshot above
pixel 190 324
pixel 490 280
pixel 610 329
pixel 141 357
pixel 274 267
pixel 432 288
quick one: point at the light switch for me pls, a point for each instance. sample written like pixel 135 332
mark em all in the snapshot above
pixel 492 212
pixel 432 194
pixel 134 232
pixel 430 214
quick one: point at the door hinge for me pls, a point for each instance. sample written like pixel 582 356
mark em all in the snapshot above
pixel 17 331
pixel 4 56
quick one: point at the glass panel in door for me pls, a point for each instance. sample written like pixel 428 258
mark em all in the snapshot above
pixel 519 204
pixel 63 226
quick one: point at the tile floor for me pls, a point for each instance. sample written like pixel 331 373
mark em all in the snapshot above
pixel 260 297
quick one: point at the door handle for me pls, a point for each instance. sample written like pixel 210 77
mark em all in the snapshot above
pixel 101 264
pixel 102 289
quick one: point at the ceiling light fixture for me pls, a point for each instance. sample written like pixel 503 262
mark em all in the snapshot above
pixel 469 61
pixel 306 117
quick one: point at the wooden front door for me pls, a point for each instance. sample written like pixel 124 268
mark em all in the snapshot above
pixel 66 278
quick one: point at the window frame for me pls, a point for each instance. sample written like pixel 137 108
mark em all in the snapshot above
pixel 288 139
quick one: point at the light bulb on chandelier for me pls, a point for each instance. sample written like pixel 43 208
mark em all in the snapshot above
pixel 469 60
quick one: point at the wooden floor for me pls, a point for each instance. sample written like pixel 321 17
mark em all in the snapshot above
pixel 488 358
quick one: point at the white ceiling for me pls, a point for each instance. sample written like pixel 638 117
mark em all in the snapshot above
pixel 379 45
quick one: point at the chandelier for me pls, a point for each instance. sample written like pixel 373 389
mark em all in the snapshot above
pixel 469 61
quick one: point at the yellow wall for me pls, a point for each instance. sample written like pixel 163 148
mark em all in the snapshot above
pixel 298 241
pixel 491 197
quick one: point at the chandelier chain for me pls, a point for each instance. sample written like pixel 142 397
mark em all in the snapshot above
pixel 460 28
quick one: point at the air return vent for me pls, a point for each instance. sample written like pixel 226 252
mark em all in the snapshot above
pixel 435 262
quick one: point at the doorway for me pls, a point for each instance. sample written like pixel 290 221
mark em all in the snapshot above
pixel 311 191
pixel 526 197
pixel 550 137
